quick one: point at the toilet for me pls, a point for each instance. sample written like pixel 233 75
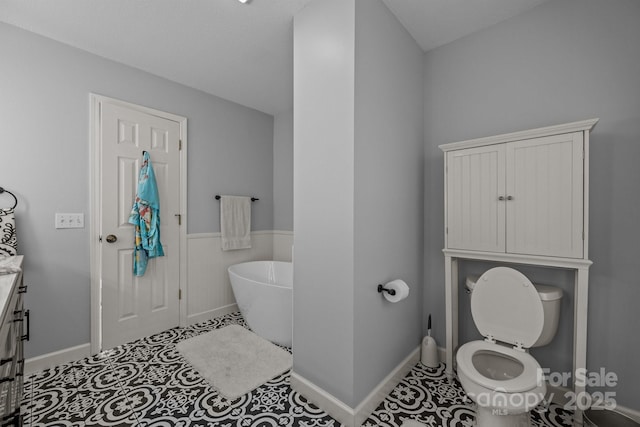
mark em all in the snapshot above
pixel 499 374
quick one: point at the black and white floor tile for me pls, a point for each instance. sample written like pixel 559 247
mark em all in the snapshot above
pixel 426 396
pixel 148 383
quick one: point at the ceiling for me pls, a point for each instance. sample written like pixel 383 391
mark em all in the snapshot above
pixel 240 52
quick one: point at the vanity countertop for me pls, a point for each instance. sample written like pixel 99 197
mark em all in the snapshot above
pixel 8 281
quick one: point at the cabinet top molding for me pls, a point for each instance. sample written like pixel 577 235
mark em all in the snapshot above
pixel 584 125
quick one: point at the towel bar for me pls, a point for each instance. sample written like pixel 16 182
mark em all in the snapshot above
pixel 253 199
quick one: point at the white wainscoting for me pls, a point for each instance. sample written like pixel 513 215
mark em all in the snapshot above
pixel 282 245
pixel 208 290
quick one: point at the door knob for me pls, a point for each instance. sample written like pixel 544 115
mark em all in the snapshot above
pixel 111 238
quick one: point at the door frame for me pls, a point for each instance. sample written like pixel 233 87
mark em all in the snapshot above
pixel 95 246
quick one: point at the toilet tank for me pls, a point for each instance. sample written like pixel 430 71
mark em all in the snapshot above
pixel 551 297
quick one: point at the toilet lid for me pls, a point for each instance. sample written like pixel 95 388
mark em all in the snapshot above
pixel 506 307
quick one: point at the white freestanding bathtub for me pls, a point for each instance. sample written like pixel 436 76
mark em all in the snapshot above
pixel 263 291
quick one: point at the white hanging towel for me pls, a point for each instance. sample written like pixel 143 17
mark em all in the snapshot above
pixel 235 222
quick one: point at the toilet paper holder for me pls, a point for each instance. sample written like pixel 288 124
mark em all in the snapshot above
pixel 382 289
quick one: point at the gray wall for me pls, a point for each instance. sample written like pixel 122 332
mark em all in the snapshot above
pixel 388 198
pixel 283 171
pixel 358 194
pixel 565 60
pixel 44 146
pixel 323 186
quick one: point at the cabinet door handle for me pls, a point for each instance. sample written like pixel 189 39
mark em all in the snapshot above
pixel 22 289
pixel 26 336
pixel 501 198
pixel 509 197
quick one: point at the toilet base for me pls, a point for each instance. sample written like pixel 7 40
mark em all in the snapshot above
pixel 492 417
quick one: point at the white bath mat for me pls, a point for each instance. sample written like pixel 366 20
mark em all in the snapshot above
pixel 235 360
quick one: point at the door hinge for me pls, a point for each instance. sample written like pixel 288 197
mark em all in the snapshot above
pixel 179 293
pixel 179 216
pixel 179 145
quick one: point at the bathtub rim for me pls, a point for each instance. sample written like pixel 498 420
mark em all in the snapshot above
pixel 256 282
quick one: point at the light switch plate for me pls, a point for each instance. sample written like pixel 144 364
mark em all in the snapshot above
pixel 69 220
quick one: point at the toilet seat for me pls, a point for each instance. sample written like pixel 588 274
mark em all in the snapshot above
pixel 526 381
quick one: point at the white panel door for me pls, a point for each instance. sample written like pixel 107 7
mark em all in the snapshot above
pixel 134 307
pixel 545 183
pixel 475 211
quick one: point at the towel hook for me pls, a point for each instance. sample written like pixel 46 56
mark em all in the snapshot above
pixel 15 199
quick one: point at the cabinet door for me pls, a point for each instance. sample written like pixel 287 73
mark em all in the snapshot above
pixel 545 182
pixel 474 214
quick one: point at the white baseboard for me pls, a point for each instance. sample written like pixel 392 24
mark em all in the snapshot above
pixel 49 360
pixel 325 401
pixel 382 390
pixel 342 412
pixel 210 314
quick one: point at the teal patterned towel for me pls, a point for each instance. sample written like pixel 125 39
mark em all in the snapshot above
pixel 145 215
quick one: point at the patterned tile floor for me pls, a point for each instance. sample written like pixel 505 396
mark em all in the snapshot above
pixel 148 383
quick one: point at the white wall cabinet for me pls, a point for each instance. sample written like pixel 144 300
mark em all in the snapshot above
pixel 520 198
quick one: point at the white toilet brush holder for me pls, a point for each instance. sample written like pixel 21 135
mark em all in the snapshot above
pixel 429 354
